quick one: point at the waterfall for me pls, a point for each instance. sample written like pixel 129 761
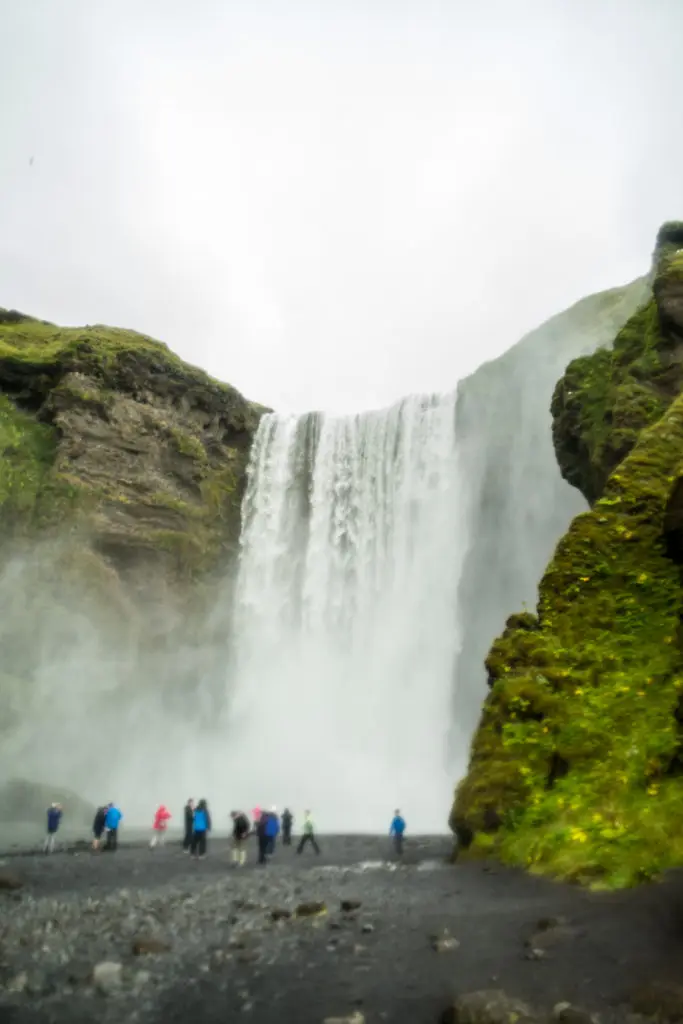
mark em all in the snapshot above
pixel 346 618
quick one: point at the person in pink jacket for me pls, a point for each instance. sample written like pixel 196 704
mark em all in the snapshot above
pixel 160 825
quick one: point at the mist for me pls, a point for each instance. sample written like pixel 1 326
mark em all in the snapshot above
pixel 333 209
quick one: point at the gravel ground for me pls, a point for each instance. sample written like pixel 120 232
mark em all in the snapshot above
pixel 153 937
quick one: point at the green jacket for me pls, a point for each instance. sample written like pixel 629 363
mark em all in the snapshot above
pixel 308 826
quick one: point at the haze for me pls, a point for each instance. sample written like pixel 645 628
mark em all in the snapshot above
pixel 330 206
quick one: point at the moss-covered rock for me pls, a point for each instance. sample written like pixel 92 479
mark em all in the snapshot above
pixel 577 767
pixel 106 432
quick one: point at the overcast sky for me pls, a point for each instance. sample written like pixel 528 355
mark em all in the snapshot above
pixel 331 204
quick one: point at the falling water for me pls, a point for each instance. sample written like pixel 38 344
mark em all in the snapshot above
pixel 346 615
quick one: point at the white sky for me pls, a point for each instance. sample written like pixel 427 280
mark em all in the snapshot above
pixel 332 204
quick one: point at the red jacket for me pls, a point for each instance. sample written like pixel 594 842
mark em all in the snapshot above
pixel 161 817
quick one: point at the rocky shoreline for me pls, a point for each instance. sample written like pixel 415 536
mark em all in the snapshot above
pixel 155 938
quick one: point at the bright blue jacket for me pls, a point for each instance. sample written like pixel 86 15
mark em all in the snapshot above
pixel 272 826
pixel 201 821
pixel 113 818
pixel 398 826
pixel 54 816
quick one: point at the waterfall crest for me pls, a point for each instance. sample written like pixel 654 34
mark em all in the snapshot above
pixel 346 618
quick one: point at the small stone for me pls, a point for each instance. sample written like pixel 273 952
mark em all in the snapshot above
pixel 565 1013
pixel 355 1018
pixel 445 945
pixel 142 978
pixel 18 983
pixel 489 1007
pixel 535 954
pixel 367 928
pixel 248 956
pixel 348 906
pixel 314 909
pixel 661 999
pixel 359 950
pixel 10 880
pixel 145 944
pixel 280 914
pixel 544 924
pixel 107 976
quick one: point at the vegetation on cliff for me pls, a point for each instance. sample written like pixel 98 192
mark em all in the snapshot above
pixel 577 766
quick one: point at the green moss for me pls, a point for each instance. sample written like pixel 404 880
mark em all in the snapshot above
pixel 574 766
pixel 188 444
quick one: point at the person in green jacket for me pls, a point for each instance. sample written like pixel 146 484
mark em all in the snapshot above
pixel 308 834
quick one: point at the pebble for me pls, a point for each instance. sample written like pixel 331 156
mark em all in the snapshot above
pixel 107 976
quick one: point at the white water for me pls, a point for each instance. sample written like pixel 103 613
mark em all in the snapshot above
pixel 346 616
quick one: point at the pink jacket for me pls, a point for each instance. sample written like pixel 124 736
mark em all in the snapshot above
pixel 160 818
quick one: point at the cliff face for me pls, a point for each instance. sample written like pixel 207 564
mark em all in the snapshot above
pixel 517 504
pixel 121 478
pixel 576 767
pixel 107 432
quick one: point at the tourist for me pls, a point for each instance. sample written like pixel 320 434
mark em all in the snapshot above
pixel 201 828
pixel 262 837
pixel 111 825
pixel 396 829
pixel 287 822
pixel 189 825
pixel 272 830
pixel 161 819
pixel 54 817
pixel 256 817
pixel 240 833
pixel 98 826
pixel 308 834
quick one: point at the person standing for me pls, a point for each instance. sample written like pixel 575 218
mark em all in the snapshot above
pixel 189 825
pixel 308 834
pixel 272 830
pixel 161 819
pixel 98 826
pixel 240 833
pixel 262 837
pixel 54 817
pixel 287 822
pixel 396 829
pixel 202 827
pixel 111 824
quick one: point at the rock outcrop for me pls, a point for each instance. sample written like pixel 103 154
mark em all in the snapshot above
pixel 517 504
pixel 106 431
pixel 576 768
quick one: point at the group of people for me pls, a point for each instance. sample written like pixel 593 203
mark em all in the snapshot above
pixel 267 826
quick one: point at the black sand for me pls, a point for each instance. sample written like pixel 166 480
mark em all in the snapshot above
pixel 229 960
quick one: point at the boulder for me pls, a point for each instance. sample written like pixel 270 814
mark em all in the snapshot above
pixel 489 1007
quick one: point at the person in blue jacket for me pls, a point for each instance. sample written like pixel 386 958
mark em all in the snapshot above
pixel 112 821
pixel 202 827
pixel 54 817
pixel 272 830
pixel 396 829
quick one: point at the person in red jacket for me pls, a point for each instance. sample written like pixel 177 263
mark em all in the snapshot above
pixel 160 825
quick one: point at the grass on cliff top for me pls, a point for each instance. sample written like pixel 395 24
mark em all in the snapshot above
pixel 580 750
pixel 44 345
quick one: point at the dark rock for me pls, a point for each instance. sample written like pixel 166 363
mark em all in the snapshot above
pixel 551 937
pixel 367 928
pixel 280 914
pixel 144 944
pixel 348 906
pixel 489 1007
pixel 544 924
pixel 9 880
pixel 565 1013
pixel 660 999
pixel 311 909
pixel 248 956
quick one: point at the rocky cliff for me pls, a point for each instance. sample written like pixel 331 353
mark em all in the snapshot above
pixel 576 767
pixel 517 504
pixel 121 479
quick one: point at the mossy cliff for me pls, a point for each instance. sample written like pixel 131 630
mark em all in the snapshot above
pixel 576 768
pixel 110 438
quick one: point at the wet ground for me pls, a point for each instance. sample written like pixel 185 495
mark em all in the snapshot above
pixel 223 956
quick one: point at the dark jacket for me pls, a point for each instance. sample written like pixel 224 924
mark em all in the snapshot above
pixel 240 827
pixel 54 816
pixel 98 822
pixel 287 821
pixel 261 826
pixel 189 819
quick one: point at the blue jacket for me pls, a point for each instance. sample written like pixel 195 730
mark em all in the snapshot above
pixel 398 826
pixel 54 816
pixel 113 818
pixel 272 826
pixel 202 821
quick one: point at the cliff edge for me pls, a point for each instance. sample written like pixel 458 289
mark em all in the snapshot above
pixel 576 769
